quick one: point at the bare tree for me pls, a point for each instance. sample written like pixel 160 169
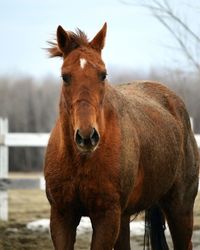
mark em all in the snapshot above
pixel 174 19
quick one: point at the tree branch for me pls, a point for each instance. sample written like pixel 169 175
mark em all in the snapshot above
pixel 164 13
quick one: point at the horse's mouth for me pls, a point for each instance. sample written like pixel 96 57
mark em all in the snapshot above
pixel 86 150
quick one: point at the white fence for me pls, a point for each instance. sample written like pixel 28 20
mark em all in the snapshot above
pixel 21 140
pixel 16 140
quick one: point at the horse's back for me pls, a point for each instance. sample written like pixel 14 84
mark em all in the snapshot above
pixel 157 92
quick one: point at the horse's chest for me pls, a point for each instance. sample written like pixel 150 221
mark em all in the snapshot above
pixel 91 192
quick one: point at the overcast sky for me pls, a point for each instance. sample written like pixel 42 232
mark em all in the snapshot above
pixel 135 39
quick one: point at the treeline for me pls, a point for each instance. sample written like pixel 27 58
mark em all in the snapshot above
pixel 32 106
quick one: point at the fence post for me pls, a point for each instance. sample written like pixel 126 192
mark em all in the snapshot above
pixel 3 169
pixel 3 205
pixel 192 123
pixel 3 149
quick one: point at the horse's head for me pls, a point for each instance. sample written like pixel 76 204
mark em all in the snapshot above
pixel 83 73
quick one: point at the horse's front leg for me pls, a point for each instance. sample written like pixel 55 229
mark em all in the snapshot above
pixel 106 225
pixel 63 229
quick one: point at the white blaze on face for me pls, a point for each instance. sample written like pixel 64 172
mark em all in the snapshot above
pixel 82 62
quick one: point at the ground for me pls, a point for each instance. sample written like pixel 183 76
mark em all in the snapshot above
pixel 30 205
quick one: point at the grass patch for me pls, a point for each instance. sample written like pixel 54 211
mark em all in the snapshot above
pixel 27 205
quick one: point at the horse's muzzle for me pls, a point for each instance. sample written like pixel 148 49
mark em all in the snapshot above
pixel 88 142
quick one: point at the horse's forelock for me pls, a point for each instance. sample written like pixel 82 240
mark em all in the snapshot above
pixel 79 37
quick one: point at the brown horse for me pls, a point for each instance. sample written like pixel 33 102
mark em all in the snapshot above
pixel 116 151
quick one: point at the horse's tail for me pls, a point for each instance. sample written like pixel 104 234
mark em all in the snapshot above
pixel 154 229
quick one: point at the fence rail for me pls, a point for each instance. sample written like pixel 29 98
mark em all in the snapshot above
pixel 24 139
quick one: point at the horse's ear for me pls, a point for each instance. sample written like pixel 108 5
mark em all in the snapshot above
pixel 98 41
pixel 65 41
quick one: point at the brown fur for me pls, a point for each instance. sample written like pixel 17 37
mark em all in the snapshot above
pixel 146 155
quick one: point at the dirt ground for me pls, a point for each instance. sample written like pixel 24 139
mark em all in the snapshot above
pixel 29 205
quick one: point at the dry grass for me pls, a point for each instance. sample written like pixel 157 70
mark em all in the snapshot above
pixel 27 205
pixel 16 175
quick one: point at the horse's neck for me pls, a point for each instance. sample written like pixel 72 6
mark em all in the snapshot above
pixel 114 99
pixel 66 135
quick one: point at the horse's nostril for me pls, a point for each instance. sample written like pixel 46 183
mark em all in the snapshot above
pixel 94 137
pixel 88 142
pixel 79 139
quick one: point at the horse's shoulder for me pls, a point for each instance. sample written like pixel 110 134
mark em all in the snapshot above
pixel 156 91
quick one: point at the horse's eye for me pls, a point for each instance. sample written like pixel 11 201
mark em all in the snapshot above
pixel 66 78
pixel 102 76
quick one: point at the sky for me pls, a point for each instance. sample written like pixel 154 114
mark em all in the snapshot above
pixel 135 39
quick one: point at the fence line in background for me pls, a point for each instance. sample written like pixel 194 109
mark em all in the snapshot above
pixel 16 140
pixel 22 140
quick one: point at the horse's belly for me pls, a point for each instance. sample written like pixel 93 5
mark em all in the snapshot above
pixel 159 165
pixel 154 179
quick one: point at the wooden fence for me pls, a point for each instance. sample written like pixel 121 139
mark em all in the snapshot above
pixel 21 140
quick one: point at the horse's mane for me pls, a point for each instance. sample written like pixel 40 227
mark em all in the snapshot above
pixel 79 38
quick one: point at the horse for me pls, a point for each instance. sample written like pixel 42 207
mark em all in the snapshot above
pixel 116 151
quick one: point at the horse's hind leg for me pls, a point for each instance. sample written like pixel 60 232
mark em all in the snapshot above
pixel 178 209
pixel 179 202
pixel 181 226
pixel 123 241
